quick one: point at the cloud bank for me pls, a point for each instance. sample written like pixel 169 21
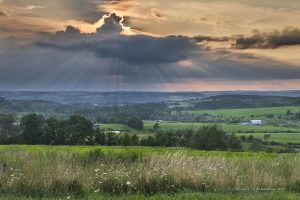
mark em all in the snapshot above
pixel 109 60
pixel 269 40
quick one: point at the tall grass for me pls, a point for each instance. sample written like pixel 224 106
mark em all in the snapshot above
pixel 185 195
pixel 43 172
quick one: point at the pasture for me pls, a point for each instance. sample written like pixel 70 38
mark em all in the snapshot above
pixel 117 127
pixel 133 172
pixel 247 113
pixel 278 134
pixel 277 137
pixel 165 125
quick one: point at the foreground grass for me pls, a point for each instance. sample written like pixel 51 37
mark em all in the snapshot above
pixel 200 196
pixel 90 172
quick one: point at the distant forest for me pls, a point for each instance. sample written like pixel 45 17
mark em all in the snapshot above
pixel 119 113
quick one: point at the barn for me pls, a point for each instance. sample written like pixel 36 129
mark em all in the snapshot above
pixel 256 122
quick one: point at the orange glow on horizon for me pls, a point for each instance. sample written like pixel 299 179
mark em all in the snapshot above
pixel 227 85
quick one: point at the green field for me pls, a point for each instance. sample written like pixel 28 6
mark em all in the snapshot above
pixel 247 113
pixel 278 137
pixel 117 127
pixel 140 151
pixel 229 128
pixel 278 134
pixel 63 172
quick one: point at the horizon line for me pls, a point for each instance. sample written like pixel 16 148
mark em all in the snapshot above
pixel 150 91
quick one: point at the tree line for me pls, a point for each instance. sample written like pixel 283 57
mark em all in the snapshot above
pixel 77 130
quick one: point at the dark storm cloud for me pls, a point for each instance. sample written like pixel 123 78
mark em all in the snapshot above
pixel 269 40
pixel 111 28
pixel 202 38
pixel 108 43
pixel 232 66
pixel 69 33
pixel 134 49
pixel 164 55
pixel 42 68
pixel 71 60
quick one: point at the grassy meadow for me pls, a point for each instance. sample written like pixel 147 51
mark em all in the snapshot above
pixel 277 137
pixel 248 112
pixel 165 125
pixel 184 195
pixel 278 134
pixel 119 127
pixel 97 172
pixel 102 172
pixel 283 133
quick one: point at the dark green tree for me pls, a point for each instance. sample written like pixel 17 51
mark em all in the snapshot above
pixel 100 137
pixel 78 130
pixel 297 115
pixel 156 126
pixel 174 141
pixel 32 128
pixel 267 136
pixel 135 123
pixel 112 139
pixel 6 127
pixel 161 139
pixel 135 140
pixel 233 141
pixel 126 140
pixel 209 138
pixel 52 131
pixel 150 141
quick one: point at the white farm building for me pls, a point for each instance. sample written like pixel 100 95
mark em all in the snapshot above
pixel 256 122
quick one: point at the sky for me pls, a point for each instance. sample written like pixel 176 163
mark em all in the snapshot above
pixel 149 45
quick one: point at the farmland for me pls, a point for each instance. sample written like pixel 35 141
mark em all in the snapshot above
pixel 118 127
pixel 247 113
pixel 153 151
pixel 132 172
pixel 168 125
pixel 278 134
pixel 227 127
pixel 278 137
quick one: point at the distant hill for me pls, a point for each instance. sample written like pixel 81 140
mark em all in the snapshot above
pixel 128 97
pixel 246 101
pixel 145 105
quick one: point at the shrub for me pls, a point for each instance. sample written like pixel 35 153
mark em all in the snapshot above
pixel 209 138
pixel 287 150
pixel 294 187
